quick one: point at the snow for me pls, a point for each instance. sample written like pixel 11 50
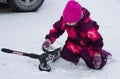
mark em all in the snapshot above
pixel 26 32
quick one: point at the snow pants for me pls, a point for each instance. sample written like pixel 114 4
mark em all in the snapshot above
pixel 74 58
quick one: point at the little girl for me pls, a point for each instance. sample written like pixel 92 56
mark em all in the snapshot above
pixel 83 41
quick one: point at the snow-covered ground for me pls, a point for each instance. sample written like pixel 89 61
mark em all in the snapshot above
pixel 26 32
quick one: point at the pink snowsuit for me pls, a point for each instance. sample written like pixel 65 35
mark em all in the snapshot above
pixel 83 40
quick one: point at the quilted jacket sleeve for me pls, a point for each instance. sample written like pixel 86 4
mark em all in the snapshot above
pixel 56 31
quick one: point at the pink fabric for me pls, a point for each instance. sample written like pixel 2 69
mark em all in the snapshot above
pixel 72 12
pixel 71 32
pixel 73 47
pixel 93 34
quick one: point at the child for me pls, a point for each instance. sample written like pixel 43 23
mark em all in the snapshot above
pixel 83 41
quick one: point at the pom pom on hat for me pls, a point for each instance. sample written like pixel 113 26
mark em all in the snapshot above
pixel 72 12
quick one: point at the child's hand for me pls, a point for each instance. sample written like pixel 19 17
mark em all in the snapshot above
pixel 46 43
pixel 97 61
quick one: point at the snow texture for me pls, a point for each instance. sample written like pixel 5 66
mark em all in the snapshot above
pixel 26 32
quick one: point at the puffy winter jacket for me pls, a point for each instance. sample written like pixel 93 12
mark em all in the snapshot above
pixel 83 34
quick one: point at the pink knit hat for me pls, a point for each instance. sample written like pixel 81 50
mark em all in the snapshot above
pixel 72 11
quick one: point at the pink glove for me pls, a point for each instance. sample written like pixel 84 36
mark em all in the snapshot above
pixel 97 60
pixel 46 43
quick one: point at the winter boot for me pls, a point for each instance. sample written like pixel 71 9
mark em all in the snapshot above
pixel 107 54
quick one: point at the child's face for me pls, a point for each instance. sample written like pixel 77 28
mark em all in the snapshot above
pixel 71 24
